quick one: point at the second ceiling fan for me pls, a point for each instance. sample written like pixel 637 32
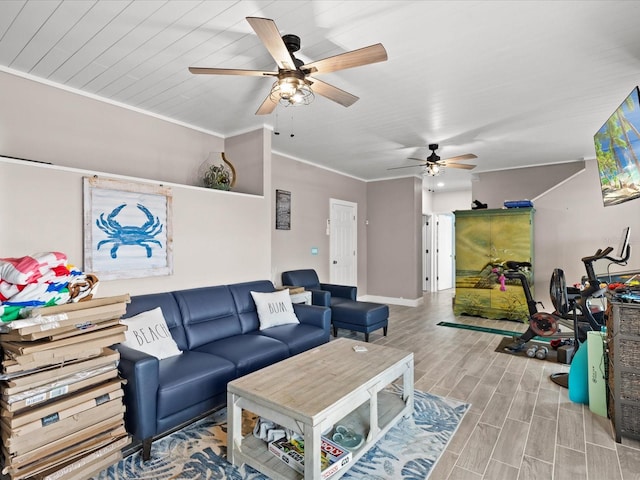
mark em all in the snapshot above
pixel 434 164
pixel 294 81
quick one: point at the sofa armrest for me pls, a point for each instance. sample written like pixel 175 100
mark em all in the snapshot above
pixel 141 372
pixel 321 298
pixel 342 291
pixel 313 315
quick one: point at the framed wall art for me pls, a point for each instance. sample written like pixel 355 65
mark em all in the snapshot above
pixel 283 210
pixel 127 229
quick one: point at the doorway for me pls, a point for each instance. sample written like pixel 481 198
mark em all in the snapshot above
pixel 438 261
pixel 445 251
pixel 344 239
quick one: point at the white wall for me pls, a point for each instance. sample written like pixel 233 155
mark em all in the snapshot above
pixel 394 236
pixel 49 124
pixel 214 233
pixel 219 237
pixel 571 222
pixel 311 188
pixel 447 202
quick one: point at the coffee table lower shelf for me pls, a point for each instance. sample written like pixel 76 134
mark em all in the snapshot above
pixel 255 452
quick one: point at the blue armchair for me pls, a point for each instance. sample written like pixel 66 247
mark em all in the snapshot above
pixel 346 311
pixel 309 280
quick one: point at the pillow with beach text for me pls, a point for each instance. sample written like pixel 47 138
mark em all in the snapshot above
pixel 274 308
pixel 148 333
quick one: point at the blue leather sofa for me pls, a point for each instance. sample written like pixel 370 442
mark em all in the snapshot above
pixel 346 311
pixel 217 328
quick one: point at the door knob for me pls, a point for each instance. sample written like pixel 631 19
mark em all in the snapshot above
pixel 335 262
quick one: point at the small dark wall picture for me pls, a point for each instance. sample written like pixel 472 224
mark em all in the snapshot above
pixel 283 210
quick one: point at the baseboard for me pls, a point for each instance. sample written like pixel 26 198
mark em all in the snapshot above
pixel 405 302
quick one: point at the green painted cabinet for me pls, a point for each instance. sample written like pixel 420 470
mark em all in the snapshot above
pixel 486 238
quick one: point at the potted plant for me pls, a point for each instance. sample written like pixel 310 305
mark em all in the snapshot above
pixel 218 177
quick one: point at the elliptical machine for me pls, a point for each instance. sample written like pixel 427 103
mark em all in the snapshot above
pixel 572 305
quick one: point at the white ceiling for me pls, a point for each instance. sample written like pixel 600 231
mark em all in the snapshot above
pixel 517 83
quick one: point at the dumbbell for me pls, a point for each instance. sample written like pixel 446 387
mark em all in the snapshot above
pixel 541 353
pixel 532 350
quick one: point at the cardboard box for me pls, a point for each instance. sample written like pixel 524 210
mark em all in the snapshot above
pixel 59 372
pixel 47 318
pixel 78 328
pixel 73 459
pixel 65 406
pixel 63 428
pixel 88 471
pixel 43 396
pixel 27 348
pixel 77 443
pixel 12 369
pixel 26 353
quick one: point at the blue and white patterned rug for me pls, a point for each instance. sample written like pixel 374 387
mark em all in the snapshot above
pixel 408 451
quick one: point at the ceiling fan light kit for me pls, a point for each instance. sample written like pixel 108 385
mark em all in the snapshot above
pixel 291 92
pixel 432 170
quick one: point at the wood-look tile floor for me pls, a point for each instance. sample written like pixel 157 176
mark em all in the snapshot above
pixel 521 425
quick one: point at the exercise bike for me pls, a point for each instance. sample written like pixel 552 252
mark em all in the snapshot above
pixel 572 305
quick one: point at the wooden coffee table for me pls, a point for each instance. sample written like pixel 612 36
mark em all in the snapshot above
pixel 308 393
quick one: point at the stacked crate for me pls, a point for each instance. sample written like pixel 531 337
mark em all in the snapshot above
pixel 623 330
pixel 61 410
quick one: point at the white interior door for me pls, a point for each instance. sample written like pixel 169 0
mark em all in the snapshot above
pixel 343 253
pixel 445 251
pixel 426 253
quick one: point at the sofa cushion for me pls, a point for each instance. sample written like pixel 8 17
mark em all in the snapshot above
pixel 298 338
pixel 148 333
pixel 274 308
pixel 170 311
pixel 208 314
pixel 248 352
pixel 191 378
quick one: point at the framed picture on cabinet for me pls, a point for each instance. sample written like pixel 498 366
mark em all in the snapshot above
pixel 128 229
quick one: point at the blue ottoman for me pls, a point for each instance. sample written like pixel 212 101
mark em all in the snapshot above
pixel 364 317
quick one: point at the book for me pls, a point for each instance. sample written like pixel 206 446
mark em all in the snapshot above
pixel 332 456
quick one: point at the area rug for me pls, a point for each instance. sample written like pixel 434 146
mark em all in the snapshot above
pixel 552 355
pixel 408 451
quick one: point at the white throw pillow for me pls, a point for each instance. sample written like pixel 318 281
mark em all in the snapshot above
pixel 148 333
pixel 274 308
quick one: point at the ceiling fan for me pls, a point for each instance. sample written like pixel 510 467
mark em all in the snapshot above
pixel 294 84
pixel 434 164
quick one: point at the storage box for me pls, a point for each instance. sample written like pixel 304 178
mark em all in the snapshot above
pixel 47 319
pixel 333 457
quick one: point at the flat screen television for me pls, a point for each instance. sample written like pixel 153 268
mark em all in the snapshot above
pixel 618 152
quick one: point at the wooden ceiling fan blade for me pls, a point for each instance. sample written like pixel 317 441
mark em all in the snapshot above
pixel 230 71
pixel 468 156
pixel 267 106
pixel 407 166
pixel 418 159
pixel 355 58
pixel 268 34
pixel 459 165
pixel 332 93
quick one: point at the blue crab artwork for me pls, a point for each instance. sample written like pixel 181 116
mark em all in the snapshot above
pixel 142 236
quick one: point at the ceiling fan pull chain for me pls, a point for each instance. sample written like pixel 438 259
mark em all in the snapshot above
pixel 276 131
pixel 292 135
